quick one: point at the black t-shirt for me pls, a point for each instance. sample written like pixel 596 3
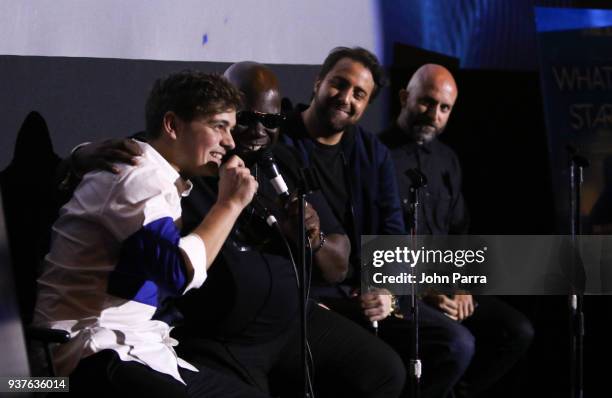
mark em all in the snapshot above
pixel 328 160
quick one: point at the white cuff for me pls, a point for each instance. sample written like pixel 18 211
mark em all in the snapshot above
pixel 194 251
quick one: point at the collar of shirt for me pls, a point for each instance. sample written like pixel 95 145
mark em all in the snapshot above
pixel 412 146
pixel 183 186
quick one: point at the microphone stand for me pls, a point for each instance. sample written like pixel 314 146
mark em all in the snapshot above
pixel 575 300
pixel 302 290
pixel 419 180
pixel 308 182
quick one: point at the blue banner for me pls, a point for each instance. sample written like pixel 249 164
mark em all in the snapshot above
pixel 576 77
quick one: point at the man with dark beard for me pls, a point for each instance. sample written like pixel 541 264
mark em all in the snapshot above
pixel 355 169
pixel 358 181
pixel 490 337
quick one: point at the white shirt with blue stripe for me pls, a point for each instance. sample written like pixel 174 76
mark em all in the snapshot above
pixel 115 252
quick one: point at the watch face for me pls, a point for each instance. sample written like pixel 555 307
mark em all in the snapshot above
pixel 395 307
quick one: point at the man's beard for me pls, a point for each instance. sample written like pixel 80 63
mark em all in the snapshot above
pixel 423 131
pixel 324 114
pixel 424 134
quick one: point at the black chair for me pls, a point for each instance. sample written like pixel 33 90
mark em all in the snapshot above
pixel 28 207
pixel 14 360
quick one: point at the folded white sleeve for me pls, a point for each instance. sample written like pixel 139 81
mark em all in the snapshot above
pixel 194 251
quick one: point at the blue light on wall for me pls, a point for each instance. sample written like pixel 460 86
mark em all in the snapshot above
pixel 483 34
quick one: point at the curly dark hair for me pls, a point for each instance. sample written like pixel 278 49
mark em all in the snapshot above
pixel 360 55
pixel 189 94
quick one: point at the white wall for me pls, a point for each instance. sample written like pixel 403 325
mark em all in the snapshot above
pixel 89 97
pixel 268 31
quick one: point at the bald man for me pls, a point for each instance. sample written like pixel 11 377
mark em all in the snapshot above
pixel 465 346
pixel 260 117
pixel 427 103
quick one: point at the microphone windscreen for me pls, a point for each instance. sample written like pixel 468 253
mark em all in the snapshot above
pixel 270 169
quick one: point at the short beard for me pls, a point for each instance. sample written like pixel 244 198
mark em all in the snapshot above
pixel 422 137
pixel 322 113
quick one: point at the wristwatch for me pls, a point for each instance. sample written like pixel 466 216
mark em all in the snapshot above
pixel 395 307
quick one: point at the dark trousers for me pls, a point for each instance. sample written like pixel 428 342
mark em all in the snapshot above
pixel 466 357
pixel 105 374
pixel 348 360
pixel 502 336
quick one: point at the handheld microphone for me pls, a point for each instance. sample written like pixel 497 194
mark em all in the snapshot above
pixel 256 203
pixel 268 165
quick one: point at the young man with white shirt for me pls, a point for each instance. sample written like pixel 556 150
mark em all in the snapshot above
pixel 117 253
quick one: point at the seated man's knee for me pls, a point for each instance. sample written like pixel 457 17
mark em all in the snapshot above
pixel 461 346
pixel 390 373
pixel 522 334
pixel 396 372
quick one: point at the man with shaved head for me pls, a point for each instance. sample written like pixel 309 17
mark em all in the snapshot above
pixel 418 118
pixel 260 88
pixel 427 103
pixel 466 344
